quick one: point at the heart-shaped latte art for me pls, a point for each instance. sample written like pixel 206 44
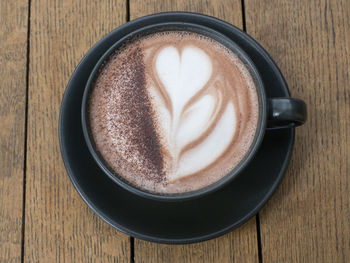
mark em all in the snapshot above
pixel 173 112
pixel 197 127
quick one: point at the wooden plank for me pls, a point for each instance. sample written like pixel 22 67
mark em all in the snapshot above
pixel 237 246
pixel 308 219
pixel 59 226
pixel 13 57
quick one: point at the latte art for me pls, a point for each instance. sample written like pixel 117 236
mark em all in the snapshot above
pixel 188 100
pixel 173 112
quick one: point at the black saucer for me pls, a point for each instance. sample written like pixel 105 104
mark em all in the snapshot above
pixel 185 222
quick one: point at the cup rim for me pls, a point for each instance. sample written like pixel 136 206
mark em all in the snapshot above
pixel 260 130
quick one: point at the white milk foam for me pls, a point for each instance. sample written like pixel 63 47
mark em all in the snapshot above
pixel 184 75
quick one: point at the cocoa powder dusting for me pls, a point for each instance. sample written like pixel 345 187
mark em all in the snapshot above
pixel 136 99
pixel 121 119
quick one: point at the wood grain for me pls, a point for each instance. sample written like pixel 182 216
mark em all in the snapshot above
pixel 308 219
pixel 228 10
pixel 13 57
pixel 59 226
pixel 237 246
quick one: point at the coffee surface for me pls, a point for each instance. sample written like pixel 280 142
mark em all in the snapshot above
pixel 173 112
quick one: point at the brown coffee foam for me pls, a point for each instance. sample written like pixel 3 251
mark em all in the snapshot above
pixel 232 80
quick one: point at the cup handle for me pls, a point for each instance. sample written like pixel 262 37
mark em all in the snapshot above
pixel 285 113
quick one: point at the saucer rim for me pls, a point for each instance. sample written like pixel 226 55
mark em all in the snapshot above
pixel 237 223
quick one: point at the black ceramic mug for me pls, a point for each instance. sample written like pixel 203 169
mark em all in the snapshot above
pixel 275 113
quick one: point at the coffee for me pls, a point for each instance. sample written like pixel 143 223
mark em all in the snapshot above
pixel 173 112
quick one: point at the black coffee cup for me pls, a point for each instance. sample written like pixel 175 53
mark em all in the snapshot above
pixel 275 113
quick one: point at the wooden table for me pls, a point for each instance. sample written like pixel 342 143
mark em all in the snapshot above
pixel 42 218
